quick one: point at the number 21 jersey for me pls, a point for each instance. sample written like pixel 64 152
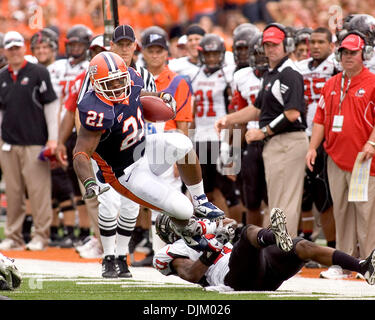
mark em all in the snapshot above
pixel 122 141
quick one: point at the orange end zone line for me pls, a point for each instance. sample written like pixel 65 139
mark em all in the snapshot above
pixel 59 254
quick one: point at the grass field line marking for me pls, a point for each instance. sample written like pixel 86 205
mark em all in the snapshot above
pixel 160 286
pixel 254 292
pixel 350 298
pixel 296 295
pixel 135 283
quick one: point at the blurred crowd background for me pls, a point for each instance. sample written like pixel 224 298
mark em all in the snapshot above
pixel 217 16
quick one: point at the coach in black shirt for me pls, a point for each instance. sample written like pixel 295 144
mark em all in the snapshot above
pixel 30 122
pixel 280 108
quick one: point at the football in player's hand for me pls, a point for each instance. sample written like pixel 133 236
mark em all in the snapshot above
pixel 155 109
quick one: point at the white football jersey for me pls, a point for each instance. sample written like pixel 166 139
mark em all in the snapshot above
pixel 248 85
pixel 214 275
pixel 63 74
pixel 209 101
pixel 314 80
pixel 370 64
pixel 183 67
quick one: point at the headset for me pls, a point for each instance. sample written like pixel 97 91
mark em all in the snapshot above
pixel 367 51
pixel 288 41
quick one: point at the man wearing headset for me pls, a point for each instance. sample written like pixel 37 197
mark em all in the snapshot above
pixel 280 107
pixel 345 118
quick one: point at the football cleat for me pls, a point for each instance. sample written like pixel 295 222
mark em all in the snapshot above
pixel 205 209
pixel 278 227
pixel 109 267
pixel 122 267
pixel 368 268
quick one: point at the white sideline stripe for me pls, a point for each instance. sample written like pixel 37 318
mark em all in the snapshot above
pixel 349 298
pixel 161 286
pixel 327 297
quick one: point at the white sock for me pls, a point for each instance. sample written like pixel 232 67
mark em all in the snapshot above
pixel 196 190
pixel 108 245
pixel 122 245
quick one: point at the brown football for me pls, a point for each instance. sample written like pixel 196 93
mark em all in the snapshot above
pixel 155 110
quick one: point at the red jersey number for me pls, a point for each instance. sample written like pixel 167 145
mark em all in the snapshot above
pixel 313 89
pixel 199 98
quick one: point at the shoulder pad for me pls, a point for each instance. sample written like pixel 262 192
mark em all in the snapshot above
pixel 94 113
pixel 136 78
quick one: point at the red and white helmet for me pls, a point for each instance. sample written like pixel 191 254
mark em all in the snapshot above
pixel 110 76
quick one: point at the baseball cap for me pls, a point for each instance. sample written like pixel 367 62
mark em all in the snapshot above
pixel 154 39
pixel 98 41
pixel 182 41
pixel 123 32
pixel 13 38
pixel 352 42
pixel 273 34
pixel 195 29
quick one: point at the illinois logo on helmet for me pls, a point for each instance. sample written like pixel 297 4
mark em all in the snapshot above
pixel 110 77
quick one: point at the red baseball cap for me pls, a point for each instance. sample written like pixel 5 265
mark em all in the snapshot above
pixel 273 34
pixel 352 42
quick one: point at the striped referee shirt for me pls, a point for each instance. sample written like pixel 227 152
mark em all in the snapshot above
pixel 148 80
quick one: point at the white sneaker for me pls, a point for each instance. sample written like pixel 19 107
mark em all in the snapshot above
pixel 35 245
pixel 334 273
pixel 9 244
pixel 360 276
pixel 92 241
pixel 92 253
pixel 205 209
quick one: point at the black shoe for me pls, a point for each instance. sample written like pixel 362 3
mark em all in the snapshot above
pixel 314 265
pixel 122 267
pixel 54 240
pixel 146 262
pixel 67 241
pixel 368 268
pixel 109 267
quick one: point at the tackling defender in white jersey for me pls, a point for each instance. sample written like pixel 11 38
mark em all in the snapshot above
pixel 261 259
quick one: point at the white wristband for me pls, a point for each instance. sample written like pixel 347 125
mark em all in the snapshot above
pixel 371 142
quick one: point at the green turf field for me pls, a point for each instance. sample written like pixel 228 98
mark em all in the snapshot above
pixel 59 288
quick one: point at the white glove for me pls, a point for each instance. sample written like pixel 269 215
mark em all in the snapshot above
pixel 170 101
pixel 225 153
pixel 93 190
pixel 225 233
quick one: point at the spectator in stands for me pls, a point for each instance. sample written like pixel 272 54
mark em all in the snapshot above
pixel 29 123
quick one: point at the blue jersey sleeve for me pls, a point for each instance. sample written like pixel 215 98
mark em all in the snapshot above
pixel 137 81
pixel 95 114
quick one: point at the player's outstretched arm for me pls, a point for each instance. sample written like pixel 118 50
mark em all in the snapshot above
pixel 87 141
pixel 189 270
